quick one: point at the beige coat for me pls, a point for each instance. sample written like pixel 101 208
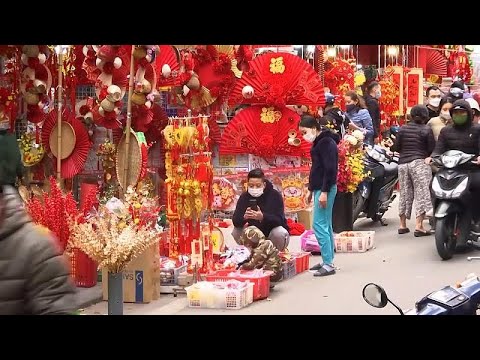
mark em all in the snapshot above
pixel 437 124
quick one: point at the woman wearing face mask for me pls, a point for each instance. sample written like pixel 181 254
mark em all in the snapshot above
pixel 444 119
pixel 415 143
pixel 359 116
pixel 322 187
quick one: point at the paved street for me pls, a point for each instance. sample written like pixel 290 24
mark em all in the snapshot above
pixel 407 267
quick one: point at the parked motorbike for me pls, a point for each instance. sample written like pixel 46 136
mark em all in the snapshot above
pixel 453 201
pixel 375 194
pixel 463 299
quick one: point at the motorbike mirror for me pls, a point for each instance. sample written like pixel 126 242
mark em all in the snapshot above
pixel 375 295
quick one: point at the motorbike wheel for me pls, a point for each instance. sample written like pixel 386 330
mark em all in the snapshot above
pixel 445 239
pixel 358 202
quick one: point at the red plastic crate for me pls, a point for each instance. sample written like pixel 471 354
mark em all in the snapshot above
pixel 84 269
pixel 261 285
pixel 302 262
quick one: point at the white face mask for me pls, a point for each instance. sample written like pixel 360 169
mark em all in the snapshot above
pixel 445 115
pixel 378 94
pixel 434 102
pixel 309 137
pixel 255 192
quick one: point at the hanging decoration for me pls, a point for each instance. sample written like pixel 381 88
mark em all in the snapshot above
pixel 189 187
pixel 279 79
pixel 340 78
pixel 459 65
pixel 145 91
pixel 391 82
pixel 36 82
pixel 10 84
pixel 167 63
pixel 31 149
pixel 75 143
pixel 111 84
pixel 264 131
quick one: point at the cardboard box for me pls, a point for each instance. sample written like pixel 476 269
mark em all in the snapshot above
pixel 305 217
pixel 141 278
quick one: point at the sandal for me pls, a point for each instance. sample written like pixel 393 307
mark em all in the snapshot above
pixel 420 233
pixel 324 272
pixel 402 231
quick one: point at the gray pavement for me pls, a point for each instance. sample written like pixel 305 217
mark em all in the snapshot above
pixel 407 267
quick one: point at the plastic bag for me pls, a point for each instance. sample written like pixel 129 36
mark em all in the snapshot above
pixel 309 242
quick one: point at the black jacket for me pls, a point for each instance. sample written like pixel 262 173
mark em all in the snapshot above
pixel 414 141
pixel 34 278
pixel 433 113
pixel 337 118
pixel 374 110
pixel 464 138
pixel 11 165
pixel 271 205
pixel 324 153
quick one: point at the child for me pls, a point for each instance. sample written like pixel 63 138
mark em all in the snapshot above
pixel 264 253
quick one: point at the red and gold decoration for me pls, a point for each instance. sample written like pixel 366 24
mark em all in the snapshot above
pixel 294 192
pixel 264 131
pixel 391 103
pixel 224 194
pixel 31 149
pixel 279 79
pixel 107 152
pixel 340 78
pixel 189 182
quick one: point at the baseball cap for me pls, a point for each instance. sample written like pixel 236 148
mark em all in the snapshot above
pixel 473 104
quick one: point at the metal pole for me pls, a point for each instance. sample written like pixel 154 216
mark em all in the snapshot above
pixel 115 293
pixel 59 114
pixel 129 121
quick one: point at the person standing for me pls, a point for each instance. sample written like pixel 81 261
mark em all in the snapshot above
pixel 374 92
pixel 11 166
pixel 439 122
pixel 434 95
pixel 415 142
pixel 34 277
pixel 322 187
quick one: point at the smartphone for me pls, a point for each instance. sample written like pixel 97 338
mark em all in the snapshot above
pixel 253 204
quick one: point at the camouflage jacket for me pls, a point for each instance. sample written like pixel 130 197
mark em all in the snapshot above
pixel 264 256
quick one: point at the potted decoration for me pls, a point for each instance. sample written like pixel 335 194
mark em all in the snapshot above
pixel 114 236
pixel 351 172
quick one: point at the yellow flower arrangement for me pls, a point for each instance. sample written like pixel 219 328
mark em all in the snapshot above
pixel 32 153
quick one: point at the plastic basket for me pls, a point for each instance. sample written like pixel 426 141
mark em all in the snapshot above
pixel 301 261
pixel 354 241
pixel 261 285
pixel 288 268
pixel 220 297
pixel 170 276
pixel 84 269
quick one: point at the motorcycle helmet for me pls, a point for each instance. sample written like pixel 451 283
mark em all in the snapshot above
pixel 329 99
pixel 394 129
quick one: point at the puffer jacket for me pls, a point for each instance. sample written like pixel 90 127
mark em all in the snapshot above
pixel 34 278
pixel 465 138
pixel 414 141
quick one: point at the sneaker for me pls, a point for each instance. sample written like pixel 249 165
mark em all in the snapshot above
pixel 316 267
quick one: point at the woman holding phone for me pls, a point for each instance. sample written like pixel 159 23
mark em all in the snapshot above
pixel 322 187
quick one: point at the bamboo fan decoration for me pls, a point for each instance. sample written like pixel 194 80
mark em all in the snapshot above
pixel 75 142
pixel 137 159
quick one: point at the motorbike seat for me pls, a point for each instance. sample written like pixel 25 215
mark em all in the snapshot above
pixel 390 168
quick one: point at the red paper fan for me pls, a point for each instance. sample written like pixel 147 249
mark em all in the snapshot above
pixel 215 132
pixel 75 163
pixel 141 117
pixel 160 120
pixel 248 133
pixel 292 82
pixel 436 63
pixel 168 55
pixel 150 75
pixel 117 135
